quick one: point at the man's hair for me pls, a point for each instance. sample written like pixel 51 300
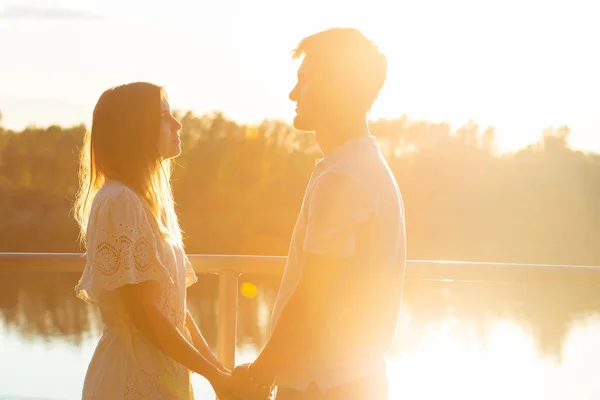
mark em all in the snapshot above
pixel 347 51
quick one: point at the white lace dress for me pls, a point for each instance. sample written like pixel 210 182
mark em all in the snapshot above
pixel 124 248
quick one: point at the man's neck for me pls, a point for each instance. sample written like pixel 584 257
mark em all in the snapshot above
pixel 333 137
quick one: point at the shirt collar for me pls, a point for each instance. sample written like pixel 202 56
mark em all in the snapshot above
pixel 346 149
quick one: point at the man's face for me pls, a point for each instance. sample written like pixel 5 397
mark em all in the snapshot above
pixel 312 97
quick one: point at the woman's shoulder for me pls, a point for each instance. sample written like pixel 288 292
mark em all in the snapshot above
pixel 114 195
pixel 115 191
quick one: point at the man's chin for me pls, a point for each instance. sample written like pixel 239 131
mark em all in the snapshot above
pixel 302 124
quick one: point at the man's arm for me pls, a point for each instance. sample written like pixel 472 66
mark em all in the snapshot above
pixel 337 208
pixel 302 318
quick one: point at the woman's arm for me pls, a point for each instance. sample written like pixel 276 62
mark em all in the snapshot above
pixel 200 343
pixel 154 325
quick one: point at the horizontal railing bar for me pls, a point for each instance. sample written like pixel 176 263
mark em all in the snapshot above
pixel 203 263
pixel 274 265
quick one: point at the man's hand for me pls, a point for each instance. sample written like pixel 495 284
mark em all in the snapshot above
pixel 245 387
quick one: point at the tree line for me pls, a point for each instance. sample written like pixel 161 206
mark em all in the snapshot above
pixel 239 188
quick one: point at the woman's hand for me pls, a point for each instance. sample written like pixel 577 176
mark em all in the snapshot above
pixel 222 385
pixel 244 387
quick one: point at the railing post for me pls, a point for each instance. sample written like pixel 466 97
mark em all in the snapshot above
pixel 228 300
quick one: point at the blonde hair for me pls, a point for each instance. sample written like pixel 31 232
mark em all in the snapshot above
pixel 122 144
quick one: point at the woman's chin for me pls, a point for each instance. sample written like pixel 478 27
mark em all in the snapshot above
pixel 175 152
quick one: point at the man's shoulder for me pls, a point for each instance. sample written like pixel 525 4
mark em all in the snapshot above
pixel 367 164
pixel 370 170
pixel 335 186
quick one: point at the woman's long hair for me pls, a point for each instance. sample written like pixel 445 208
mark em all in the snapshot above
pixel 123 144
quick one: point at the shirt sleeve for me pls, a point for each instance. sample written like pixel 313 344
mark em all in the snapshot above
pixel 337 207
pixel 122 247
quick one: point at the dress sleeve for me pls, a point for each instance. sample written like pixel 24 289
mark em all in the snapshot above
pixel 122 246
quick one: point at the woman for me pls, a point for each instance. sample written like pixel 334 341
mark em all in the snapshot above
pixel 137 271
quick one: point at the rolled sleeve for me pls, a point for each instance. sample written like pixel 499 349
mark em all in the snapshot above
pixel 338 206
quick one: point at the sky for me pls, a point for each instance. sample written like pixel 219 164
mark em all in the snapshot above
pixel 517 65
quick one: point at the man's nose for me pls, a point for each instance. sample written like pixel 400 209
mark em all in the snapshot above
pixel 294 94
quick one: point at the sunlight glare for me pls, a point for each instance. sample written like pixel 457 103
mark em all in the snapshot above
pixel 449 358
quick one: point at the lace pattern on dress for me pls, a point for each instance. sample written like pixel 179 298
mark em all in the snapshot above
pixel 122 248
pixel 165 385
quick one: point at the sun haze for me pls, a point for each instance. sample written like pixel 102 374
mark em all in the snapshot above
pixel 520 66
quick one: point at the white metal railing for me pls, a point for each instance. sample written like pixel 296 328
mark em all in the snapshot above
pixel 230 267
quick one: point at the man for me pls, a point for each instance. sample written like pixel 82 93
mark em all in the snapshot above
pixel 336 312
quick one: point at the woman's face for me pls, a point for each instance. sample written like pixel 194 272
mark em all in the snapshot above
pixel 169 143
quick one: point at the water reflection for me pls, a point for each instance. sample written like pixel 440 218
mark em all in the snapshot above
pixel 456 339
pixel 545 310
pixel 44 305
pixel 443 365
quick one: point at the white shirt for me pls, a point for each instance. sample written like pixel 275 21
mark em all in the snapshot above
pixel 352 208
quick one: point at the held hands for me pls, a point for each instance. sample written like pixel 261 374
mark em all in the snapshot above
pixel 245 387
pixel 240 385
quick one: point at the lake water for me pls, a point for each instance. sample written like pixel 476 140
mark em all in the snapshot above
pixel 455 340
